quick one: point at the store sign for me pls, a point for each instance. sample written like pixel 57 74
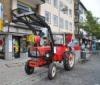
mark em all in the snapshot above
pixel 1 17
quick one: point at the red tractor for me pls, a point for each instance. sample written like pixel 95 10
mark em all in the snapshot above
pixel 49 48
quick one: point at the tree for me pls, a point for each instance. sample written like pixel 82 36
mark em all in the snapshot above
pixel 91 25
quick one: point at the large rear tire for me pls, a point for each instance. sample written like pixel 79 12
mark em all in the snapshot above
pixel 52 71
pixel 69 61
pixel 29 70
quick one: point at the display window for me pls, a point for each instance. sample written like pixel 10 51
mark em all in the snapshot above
pixel 23 43
pixel 16 46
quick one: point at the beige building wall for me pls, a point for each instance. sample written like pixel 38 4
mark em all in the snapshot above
pixel 54 11
pixel 57 11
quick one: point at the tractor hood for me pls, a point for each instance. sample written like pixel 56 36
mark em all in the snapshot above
pixel 42 49
pixel 33 3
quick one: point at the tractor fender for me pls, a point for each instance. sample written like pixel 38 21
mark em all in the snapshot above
pixel 67 53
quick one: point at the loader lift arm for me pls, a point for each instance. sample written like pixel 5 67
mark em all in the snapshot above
pixel 33 20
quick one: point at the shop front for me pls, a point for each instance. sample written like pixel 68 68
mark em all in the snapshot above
pixel 13 44
pixel 16 46
pixel 19 46
pixel 2 46
pixel 23 47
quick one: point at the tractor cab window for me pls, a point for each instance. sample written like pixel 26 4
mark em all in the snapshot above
pixel 58 39
pixel 44 37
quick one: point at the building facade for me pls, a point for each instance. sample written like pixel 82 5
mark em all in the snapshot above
pixel 13 43
pixel 82 16
pixel 76 13
pixel 59 14
pixel 82 12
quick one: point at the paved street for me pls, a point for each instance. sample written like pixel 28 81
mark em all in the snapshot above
pixel 83 74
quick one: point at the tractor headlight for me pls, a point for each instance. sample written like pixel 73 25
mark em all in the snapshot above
pixel 47 55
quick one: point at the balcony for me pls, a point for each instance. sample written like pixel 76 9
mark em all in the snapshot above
pixel 33 3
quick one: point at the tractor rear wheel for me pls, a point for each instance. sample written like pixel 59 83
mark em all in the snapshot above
pixel 69 61
pixel 29 70
pixel 52 71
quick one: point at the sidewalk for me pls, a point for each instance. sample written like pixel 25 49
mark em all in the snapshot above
pixel 20 62
pixel 12 63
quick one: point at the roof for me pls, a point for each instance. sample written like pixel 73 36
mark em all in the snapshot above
pixel 83 6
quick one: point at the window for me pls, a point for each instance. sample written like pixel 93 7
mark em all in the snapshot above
pixel 70 1
pixel 66 24
pixel 80 9
pixel 60 5
pixel 55 3
pixel 58 39
pixel 61 23
pixel 47 17
pixel 70 12
pixel 48 1
pixel 81 19
pixel 70 25
pixel 66 10
pixel 1 10
pixel 23 7
pixel 55 20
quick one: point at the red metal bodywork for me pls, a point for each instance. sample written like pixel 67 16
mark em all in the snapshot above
pixel 43 50
pixel 58 56
pixel 37 62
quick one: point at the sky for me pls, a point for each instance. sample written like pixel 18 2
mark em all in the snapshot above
pixel 93 6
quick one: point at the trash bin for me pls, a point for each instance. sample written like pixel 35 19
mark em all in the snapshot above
pixel 77 52
pixel 85 54
pixel 77 56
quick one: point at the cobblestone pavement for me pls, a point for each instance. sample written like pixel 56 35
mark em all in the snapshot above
pixel 83 74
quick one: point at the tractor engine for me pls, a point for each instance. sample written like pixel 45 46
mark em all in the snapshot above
pixel 38 50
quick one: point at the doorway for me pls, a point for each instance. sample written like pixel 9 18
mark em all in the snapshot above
pixel 16 46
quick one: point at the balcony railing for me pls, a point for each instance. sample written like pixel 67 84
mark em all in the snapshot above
pixel 33 3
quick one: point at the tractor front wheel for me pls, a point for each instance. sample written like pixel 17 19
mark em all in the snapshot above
pixel 69 61
pixel 29 70
pixel 52 71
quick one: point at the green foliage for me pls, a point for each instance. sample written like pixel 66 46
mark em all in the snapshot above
pixel 91 25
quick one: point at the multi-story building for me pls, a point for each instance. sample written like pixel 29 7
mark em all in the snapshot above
pixel 82 15
pixel 76 14
pixel 12 41
pixel 82 12
pixel 59 14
